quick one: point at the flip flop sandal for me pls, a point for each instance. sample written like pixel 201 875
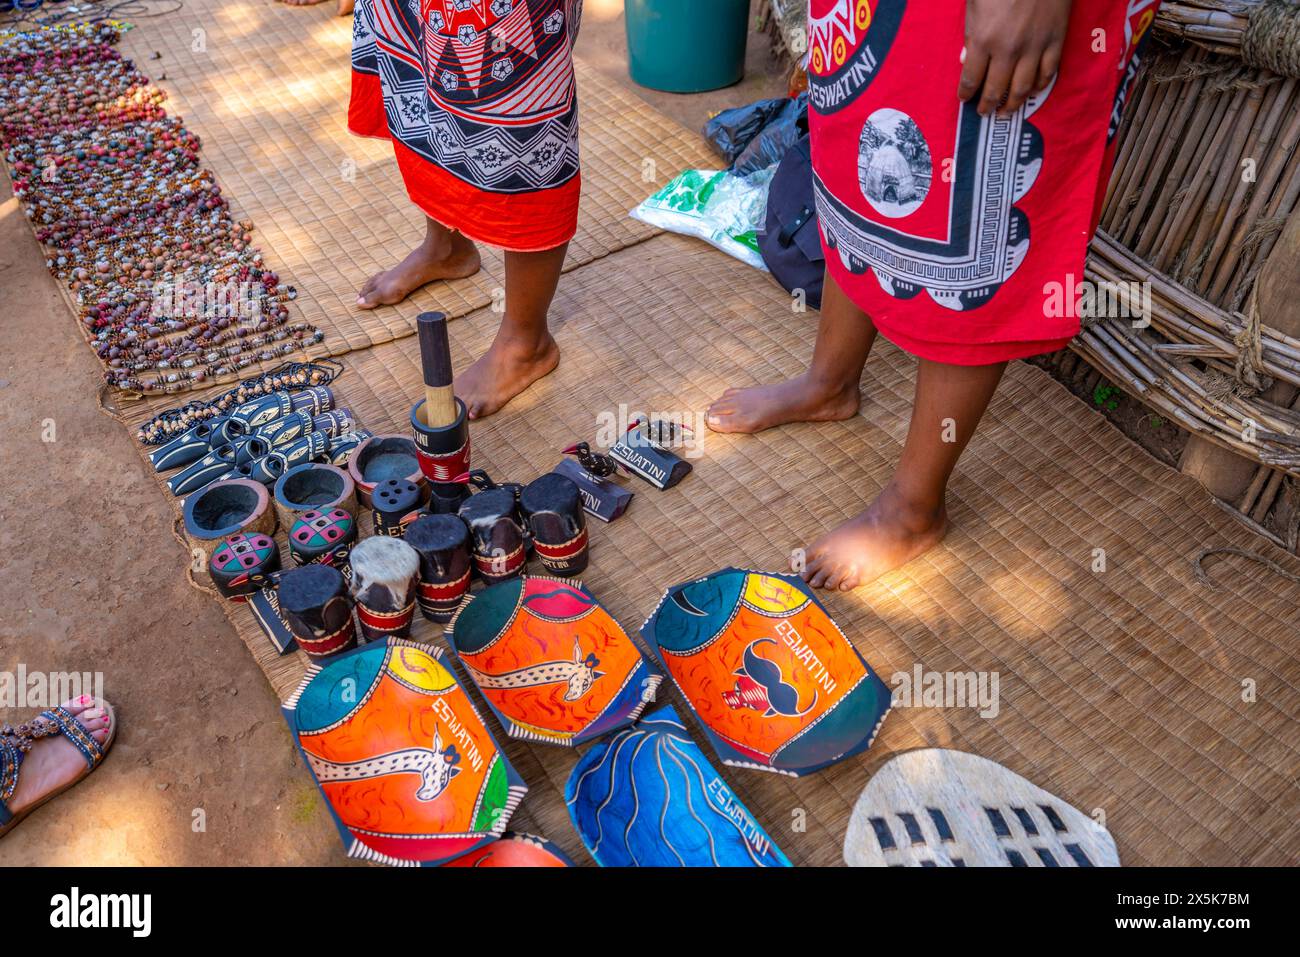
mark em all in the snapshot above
pixel 15 743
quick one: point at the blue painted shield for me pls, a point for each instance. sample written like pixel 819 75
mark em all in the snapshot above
pixel 648 797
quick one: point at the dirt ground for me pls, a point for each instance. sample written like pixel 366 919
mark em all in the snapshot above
pixel 203 770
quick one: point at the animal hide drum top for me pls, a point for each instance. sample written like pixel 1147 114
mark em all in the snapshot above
pixel 552 663
pixel 772 678
pixel 409 771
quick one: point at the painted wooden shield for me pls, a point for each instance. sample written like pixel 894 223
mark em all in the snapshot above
pixel 551 663
pixel 514 850
pixel 772 678
pixel 648 797
pixel 939 808
pixel 409 771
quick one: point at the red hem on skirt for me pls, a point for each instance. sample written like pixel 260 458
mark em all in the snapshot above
pixel 366 115
pixel 516 222
pixel 972 353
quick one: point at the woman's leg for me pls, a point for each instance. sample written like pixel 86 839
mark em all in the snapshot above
pixel 523 350
pixel 827 392
pixel 909 517
pixel 443 254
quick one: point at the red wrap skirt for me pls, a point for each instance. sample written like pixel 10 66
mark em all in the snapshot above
pixel 961 235
pixel 479 100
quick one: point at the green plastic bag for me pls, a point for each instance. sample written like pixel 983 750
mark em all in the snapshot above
pixel 723 209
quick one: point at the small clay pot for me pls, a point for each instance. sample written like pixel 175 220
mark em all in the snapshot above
pixel 226 508
pixel 326 537
pixel 313 487
pixel 242 565
pixel 383 457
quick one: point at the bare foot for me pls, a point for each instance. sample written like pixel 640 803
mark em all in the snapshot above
pixel 300 3
pixel 504 371
pixel 54 762
pixel 427 263
pixel 345 7
pixel 888 535
pixel 796 400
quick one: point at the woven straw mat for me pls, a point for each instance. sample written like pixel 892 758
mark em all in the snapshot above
pixel 1121 690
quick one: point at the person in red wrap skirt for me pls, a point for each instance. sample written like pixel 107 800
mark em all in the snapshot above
pixel 479 101
pixel 960 151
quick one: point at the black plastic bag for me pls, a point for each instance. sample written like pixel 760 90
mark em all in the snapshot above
pixel 781 134
pixel 732 130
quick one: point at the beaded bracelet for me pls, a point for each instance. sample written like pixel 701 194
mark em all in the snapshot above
pixel 292 375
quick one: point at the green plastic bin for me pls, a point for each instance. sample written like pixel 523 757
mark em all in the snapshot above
pixel 687 46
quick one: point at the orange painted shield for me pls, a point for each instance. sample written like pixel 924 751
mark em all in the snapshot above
pixel 773 679
pixel 552 664
pixel 410 772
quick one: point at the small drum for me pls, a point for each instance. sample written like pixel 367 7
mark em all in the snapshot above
pixel 397 504
pixel 497 532
pixel 242 564
pixel 553 505
pixel 314 601
pixel 442 542
pixel 385 572
pixel 324 537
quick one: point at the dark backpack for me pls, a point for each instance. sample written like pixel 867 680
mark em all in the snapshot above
pixel 791 245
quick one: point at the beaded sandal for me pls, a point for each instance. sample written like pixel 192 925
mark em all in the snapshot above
pixel 15 743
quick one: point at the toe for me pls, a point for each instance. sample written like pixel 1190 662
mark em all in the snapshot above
pixel 720 406
pixel 368 295
pixel 78 705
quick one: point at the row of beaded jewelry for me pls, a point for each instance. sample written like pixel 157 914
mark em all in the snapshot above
pixel 171 291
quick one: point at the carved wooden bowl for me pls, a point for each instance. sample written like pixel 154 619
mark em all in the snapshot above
pixel 226 508
pixel 314 487
pixel 382 457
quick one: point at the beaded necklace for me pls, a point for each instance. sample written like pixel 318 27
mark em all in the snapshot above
pixel 169 288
